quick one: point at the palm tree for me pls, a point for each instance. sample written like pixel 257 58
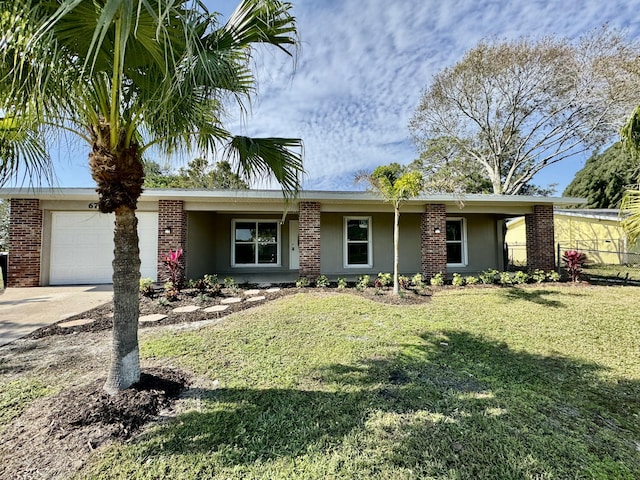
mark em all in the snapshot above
pixel 396 184
pixel 630 204
pixel 126 76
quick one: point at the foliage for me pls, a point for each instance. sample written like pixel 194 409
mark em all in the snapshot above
pixel 147 287
pixel 574 260
pixel 437 280
pixel 396 184
pixel 457 280
pixel 364 282
pixel 384 280
pixel 197 174
pixel 128 77
pixel 342 283
pixel 521 277
pixel 489 276
pixel 441 390
pixel 173 262
pixel 171 292
pixel 604 178
pixel 417 280
pixel 229 283
pixel 515 107
pixel 322 281
pixel 553 276
pixel 504 278
pixel 405 282
pixel 539 276
pixel 471 280
pixel 302 282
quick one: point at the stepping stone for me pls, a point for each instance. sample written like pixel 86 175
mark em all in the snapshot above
pixel 252 292
pixel 264 285
pixel 273 290
pixel 187 309
pixel 76 323
pixel 216 308
pixel 256 299
pixel 155 317
pixel 226 301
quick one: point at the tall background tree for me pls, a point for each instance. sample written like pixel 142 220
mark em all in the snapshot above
pixel 509 109
pixel 605 177
pixel 630 204
pixel 396 184
pixel 125 76
pixel 197 174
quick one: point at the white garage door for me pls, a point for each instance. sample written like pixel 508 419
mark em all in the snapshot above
pixel 82 247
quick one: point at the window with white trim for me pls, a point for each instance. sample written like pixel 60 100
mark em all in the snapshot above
pixel 456 242
pixel 255 243
pixel 357 242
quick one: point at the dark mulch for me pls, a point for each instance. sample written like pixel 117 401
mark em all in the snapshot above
pixel 102 315
pixel 116 416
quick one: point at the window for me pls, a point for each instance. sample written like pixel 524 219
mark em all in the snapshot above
pixel 357 245
pixel 255 243
pixel 456 242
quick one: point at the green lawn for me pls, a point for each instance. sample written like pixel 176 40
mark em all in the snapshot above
pixel 539 382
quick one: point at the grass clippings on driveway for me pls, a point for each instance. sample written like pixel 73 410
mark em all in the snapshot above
pixel 480 383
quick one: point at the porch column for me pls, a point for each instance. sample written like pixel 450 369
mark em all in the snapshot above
pixel 540 239
pixel 25 243
pixel 172 233
pixel 309 218
pixel 433 240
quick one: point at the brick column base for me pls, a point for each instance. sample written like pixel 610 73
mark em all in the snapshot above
pixel 433 245
pixel 540 239
pixel 309 239
pixel 172 233
pixel 25 243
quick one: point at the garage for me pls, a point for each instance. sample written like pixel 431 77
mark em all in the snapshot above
pixel 82 247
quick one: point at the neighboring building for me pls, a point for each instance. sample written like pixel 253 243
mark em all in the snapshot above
pixel 596 232
pixel 58 237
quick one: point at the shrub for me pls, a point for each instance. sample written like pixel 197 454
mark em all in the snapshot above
pixel 146 287
pixel 170 292
pixel 174 265
pixel 342 283
pixel 384 280
pixel 521 277
pixel 302 282
pixel 553 276
pixel 229 282
pixel 322 281
pixel 404 281
pixel 471 280
pixel 505 278
pixel 437 280
pixel 417 280
pixel 488 276
pixel 363 282
pixel 457 280
pixel 211 283
pixel 574 261
pixel 539 276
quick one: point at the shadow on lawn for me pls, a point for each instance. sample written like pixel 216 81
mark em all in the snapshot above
pixel 452 405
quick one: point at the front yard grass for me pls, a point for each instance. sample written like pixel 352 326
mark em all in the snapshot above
pixel 536 382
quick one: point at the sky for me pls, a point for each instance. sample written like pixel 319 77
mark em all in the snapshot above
pixel 360 71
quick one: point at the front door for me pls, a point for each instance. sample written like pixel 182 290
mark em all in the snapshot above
pixel 294 247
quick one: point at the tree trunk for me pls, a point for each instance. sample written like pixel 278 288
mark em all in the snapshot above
pixel 396 236
pixel 125 361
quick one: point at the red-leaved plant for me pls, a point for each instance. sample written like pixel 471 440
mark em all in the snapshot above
pixel 172 261
pixel 574 261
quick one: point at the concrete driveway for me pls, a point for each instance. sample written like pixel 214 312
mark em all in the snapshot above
pixel 23 310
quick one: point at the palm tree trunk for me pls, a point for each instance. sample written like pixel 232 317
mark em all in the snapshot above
pixel 125 360
pixel 396 235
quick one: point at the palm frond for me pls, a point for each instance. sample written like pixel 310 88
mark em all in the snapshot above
pixel 23 153
pixel 268 157
pixel 630 211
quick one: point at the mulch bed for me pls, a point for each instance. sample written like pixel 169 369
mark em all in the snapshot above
pixel 102 316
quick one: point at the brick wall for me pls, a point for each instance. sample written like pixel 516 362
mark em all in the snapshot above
pixel 540 242
pixel 433 245
pixel 171 216
pixel 25 243
pixel 309 222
